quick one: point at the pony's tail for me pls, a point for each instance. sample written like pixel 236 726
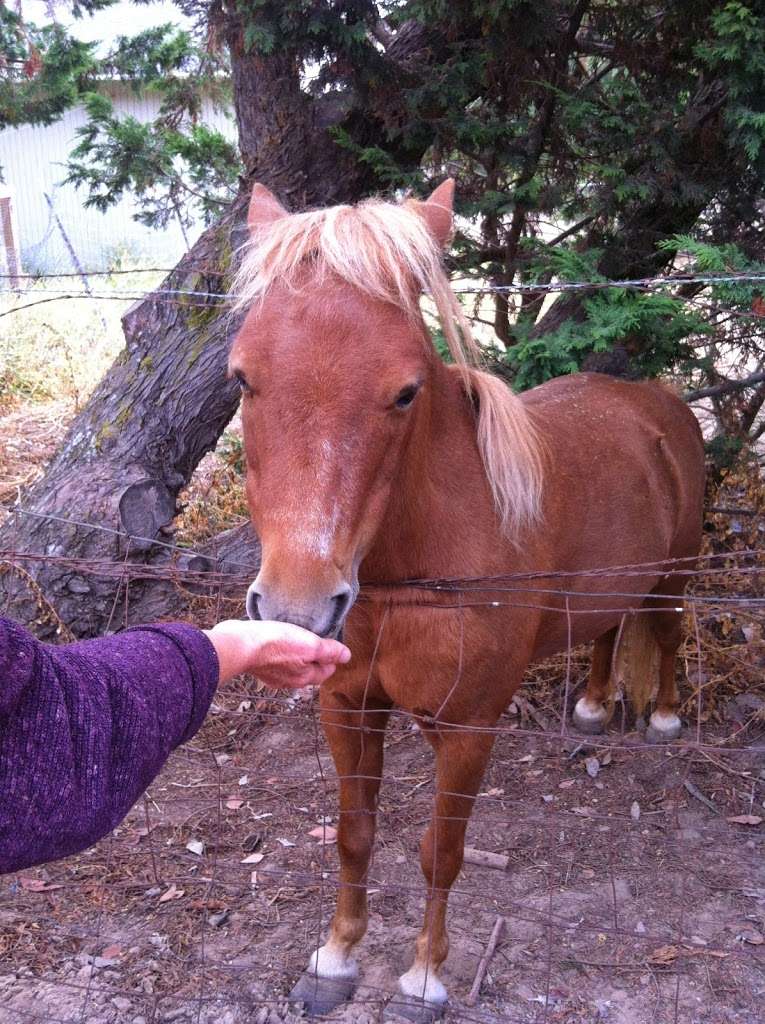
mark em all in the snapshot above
pixel 510 449
pixel 635 669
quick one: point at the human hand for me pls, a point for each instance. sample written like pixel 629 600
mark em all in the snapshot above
pixel 277 653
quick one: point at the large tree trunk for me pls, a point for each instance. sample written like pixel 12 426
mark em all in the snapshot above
pixel 166 400
pixel 161 406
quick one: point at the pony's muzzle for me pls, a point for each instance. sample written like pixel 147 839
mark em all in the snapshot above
pixel 321 614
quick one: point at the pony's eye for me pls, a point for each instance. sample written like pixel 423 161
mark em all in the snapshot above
pixel 244 387
pixel 406 396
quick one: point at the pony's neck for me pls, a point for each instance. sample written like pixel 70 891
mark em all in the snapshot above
pixel 425 514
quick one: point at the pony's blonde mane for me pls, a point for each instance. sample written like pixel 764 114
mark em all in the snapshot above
pixel 387 251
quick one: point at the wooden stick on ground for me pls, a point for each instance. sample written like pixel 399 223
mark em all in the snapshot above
pixel 475 988
pixel 484 859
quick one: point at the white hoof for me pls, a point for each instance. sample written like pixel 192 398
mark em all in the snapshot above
pixel 589 716
pixel 663 727
pixel 422 984
pixel 330 962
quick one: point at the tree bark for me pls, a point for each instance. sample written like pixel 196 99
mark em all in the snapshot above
pixel 110 493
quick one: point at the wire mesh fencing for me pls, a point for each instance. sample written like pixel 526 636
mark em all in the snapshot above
pixel 606 879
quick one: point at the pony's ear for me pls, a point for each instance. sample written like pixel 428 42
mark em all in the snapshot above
pixel 264 208
pixel 438 212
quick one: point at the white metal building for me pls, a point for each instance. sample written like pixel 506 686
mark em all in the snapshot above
pixel 33 157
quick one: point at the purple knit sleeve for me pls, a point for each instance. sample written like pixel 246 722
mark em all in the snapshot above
pixel 17 664
pixel 193 647
pixel 86 727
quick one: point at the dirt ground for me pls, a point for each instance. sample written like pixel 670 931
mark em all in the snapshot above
pixel 631 898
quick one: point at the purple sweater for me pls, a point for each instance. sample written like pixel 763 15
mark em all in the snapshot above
pixel 85 728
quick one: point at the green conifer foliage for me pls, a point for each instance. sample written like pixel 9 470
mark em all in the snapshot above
pixel 591 140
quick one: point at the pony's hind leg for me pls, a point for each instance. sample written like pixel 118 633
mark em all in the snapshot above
pixel 667 626
pixel 356 741
pixel 460 763
pixel 590 712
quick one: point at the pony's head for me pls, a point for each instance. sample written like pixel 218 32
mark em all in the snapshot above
pixel 335 366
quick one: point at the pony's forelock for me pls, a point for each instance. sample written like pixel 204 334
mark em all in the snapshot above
pixel 383 249
pixel 387 251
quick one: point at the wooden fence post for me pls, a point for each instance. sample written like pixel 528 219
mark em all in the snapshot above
pixel 10 235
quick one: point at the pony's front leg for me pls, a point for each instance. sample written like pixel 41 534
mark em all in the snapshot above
pixel 460 763
pixel 356 741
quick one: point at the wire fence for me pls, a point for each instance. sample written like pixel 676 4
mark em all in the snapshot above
pixel 628 880
pixel 655 281
pixel 187 296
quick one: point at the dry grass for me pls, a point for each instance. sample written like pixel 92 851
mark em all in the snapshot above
pixel 58 350
pixel 52 356
pixel 30 433
pixel 214 499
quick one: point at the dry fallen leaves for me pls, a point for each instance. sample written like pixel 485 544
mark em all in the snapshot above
pixel 173 893
pixel 38 885
pixel 745 819
pixel 324 833
pixel 592 766
pixel 665 955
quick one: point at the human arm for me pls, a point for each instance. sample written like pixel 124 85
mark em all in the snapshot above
pixel 17 664
pixel 86 727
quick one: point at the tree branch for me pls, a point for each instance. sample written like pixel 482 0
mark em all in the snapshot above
pixel 594 47
pixel 383 33
pixel 725 388
pixel 571 231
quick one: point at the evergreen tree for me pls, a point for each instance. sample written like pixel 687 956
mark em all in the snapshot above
pixel 592 140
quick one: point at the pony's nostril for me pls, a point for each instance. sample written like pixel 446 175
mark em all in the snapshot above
pixel 341 602
pixel 251 604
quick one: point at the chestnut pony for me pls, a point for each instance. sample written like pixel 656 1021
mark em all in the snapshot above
pixel 370 461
